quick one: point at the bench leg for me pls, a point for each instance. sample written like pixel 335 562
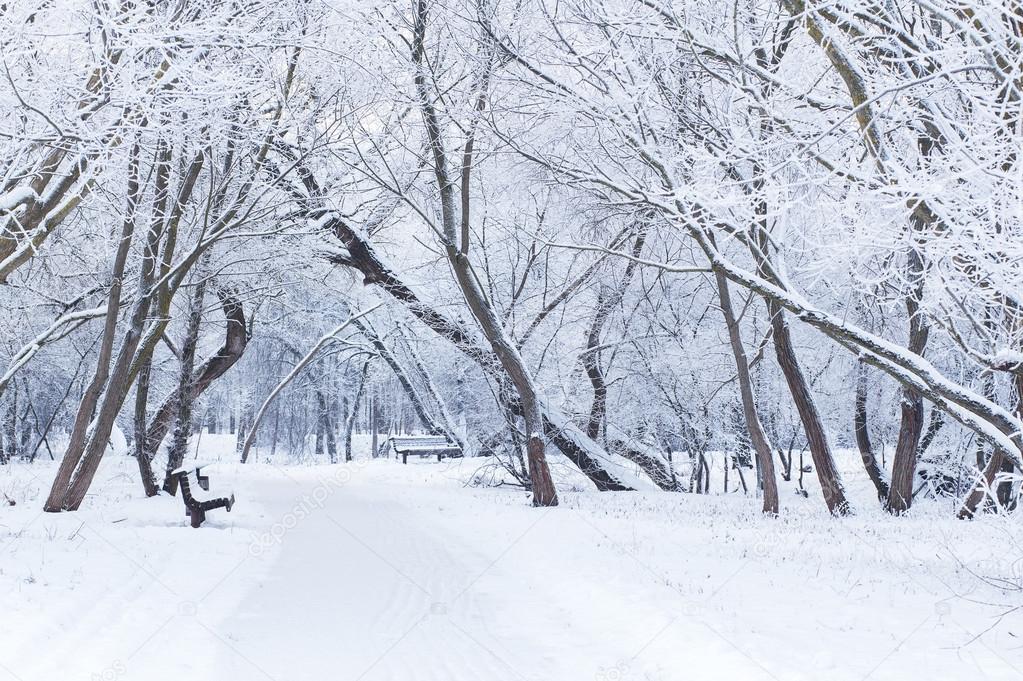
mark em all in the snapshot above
pixel 439 455
pixel 198 516
pixel 404 457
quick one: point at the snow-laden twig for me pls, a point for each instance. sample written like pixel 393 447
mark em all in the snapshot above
pixel 62 326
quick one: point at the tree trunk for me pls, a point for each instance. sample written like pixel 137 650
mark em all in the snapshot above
pixel 607 299
pixel 820 450
pixel 141 455
pixel 10 434
pixel 761 445
pixel 356 401
pixel 900 496
pixel 87 406
pixel 318 436
pixel 227 356
pixel 185 392
pixel 374 427
pixel 362 256
pixel 456 245
pixel 325 427
pixel 874 470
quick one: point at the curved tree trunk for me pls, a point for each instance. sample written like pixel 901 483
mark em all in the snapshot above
pixel 606 301
pixel 363 257
pixel 227 356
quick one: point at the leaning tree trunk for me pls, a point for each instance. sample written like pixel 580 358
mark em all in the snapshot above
pixel 870 463
pixel 607 299
pixel 87 406
pixel 544 493
pixel 813 427
pixel 758 437
pixel 456 244
pixel 572 442
pixel 784 349
pixel 82 459
pixel 113 397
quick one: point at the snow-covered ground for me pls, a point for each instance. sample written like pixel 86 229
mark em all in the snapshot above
pixel 374 570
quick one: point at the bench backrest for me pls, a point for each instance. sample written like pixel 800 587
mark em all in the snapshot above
pixel 422 442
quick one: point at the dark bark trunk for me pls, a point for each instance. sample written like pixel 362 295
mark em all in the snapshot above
pixel 10 434
pixel 130 355
pixel 607 299
pixel 141 455
pixel 325 427
pixel 318 437
pixel 362 257
pixel 758 437
pixel 911 424
pixel 934 424
pixel 87 405
pixel 186 393
pixel 870 463
pixel 373 427
pixel 813 428
pixel 235 342
pixel 456 245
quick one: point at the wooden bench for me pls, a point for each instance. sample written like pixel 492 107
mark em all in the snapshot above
pixel 424 445
pixel 193 507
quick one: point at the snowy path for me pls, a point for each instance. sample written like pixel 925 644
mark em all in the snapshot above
pixel 384 583
pixel 384 571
